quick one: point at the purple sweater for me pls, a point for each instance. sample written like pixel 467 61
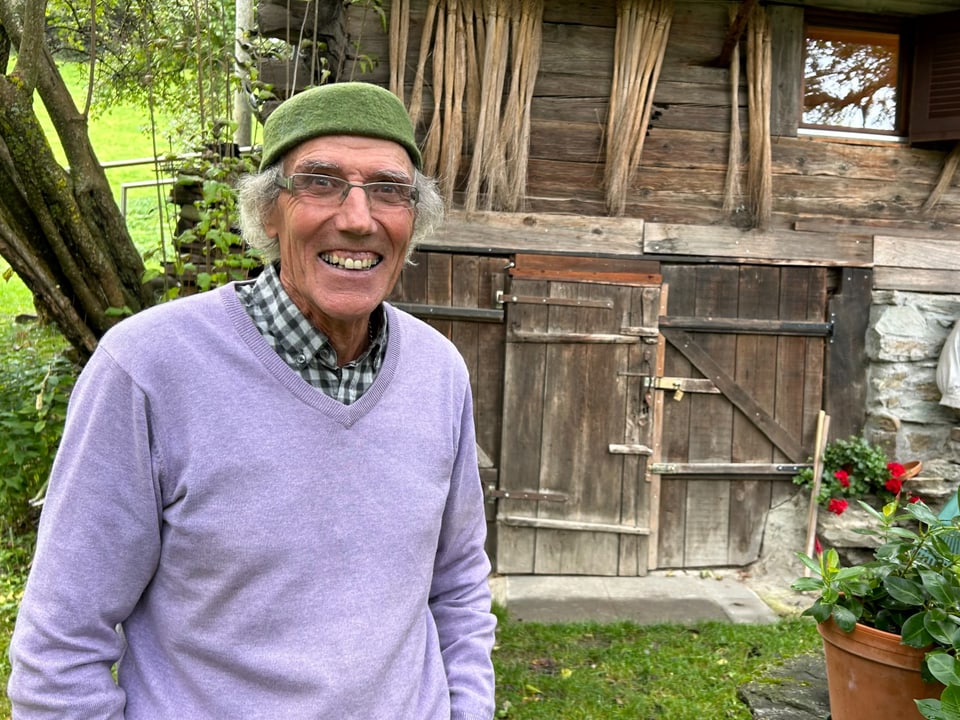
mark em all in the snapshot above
pixel 269 552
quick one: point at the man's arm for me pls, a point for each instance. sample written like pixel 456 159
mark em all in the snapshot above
pixel 97 548
pixel 460 596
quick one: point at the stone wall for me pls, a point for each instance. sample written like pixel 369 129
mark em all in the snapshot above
pixel 903 414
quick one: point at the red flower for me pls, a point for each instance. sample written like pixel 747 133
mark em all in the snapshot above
pixel 913 499
pixel 894 484
pixel 817 547
pixel 896 469
pixel 837 506
pixel 843 476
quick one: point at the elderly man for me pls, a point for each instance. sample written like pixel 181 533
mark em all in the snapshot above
pixel 266 503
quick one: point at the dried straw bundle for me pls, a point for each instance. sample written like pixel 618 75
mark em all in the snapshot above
pixel 399 34
pixel 472 44
pixel 643 27
pixel 731 190
pixel 759 173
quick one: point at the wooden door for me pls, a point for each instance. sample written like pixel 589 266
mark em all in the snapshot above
pixel 758 334
pixel 574 496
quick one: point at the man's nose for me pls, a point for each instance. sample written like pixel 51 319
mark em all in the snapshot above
pixel 354 209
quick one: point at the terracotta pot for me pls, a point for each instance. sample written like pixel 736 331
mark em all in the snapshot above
pixel 871 675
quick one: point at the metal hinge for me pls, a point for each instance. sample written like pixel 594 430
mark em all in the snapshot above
pixel 524 495
pixel 503 297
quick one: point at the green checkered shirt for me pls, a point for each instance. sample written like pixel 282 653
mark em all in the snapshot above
pixel 306 349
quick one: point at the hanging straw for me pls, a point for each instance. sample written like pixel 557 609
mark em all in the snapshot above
pixel 759 172
pixel 643 27
pixel 416 96
pixel 399 34
pixel 487 161
pixel 731 190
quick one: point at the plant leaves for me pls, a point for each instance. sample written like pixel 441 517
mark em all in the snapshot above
pixel 937 586
pixel 904 590
pixel 844 618
pixel 950 703
pixel 914 632
pixel 941 626
pixel 944 667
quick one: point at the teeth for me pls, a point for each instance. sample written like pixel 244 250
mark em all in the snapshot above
pixel 349 263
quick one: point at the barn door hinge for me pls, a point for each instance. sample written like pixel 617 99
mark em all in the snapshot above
pixel 524 495
pixel 503 297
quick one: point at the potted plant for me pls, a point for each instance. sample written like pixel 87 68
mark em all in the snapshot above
pixel 906 599
pixel 854 468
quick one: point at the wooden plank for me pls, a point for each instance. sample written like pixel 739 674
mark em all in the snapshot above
pixel 927 281
pixel 556 338
pixel 439 286
pixel 577 426
pixel 524 390
pixel 787 50
pixel 917 252
pixel 668 239
pixel 846 361
pixel 791 410
pixel 711 426
pixel 489 374
pixel 759 290
pixel 674 432
pixel 504 233
pixel 749 325
pixel 618 271
pixel 654 486
pixel 643 307
pixel 701 358
pixel 579 526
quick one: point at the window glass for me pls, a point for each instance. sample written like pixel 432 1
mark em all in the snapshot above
pixel 851 79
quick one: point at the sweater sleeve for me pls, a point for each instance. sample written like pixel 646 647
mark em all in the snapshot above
pixel 460 595
pixel 97 548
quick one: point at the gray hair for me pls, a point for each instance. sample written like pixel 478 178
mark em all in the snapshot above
pixel 257 195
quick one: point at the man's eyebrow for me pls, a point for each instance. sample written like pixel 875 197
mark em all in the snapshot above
pixel 322 167
pixel 318 167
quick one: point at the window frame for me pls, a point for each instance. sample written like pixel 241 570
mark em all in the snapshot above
pixel 853 23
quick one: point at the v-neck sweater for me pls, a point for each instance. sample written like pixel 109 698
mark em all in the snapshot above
pixel 267 551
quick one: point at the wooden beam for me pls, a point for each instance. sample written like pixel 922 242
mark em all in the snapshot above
pixel 700 358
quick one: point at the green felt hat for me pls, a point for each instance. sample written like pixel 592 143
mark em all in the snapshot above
pixel 348 108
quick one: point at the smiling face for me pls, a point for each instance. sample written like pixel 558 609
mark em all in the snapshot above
pixel 339 262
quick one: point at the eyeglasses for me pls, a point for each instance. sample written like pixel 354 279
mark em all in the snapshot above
pixel 331 190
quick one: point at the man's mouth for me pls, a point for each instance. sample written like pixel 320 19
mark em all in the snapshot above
pixel 348 263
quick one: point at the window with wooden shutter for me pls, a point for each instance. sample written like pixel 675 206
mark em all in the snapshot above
pixel 935 101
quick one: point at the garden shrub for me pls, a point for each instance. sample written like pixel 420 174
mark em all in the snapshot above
pixel 36 377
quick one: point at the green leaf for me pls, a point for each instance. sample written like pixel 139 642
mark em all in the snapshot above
pixel 807 584
pixel 944 667
pixel 904 590
pixel 844 618
pixel 819 611
pixel 930 709
pixel 937 586
pixel 914 632
pixel 941 626
pixel 950 703
pixel 922 513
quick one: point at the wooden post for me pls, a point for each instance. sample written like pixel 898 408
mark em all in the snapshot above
pixel 823 428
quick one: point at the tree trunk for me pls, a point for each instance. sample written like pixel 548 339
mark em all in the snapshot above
pixel 61 230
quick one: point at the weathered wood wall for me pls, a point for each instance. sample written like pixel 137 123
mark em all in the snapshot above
pixel 833 196
pixel 847 212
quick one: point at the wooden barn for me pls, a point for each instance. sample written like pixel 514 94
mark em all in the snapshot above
pixel 678 230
